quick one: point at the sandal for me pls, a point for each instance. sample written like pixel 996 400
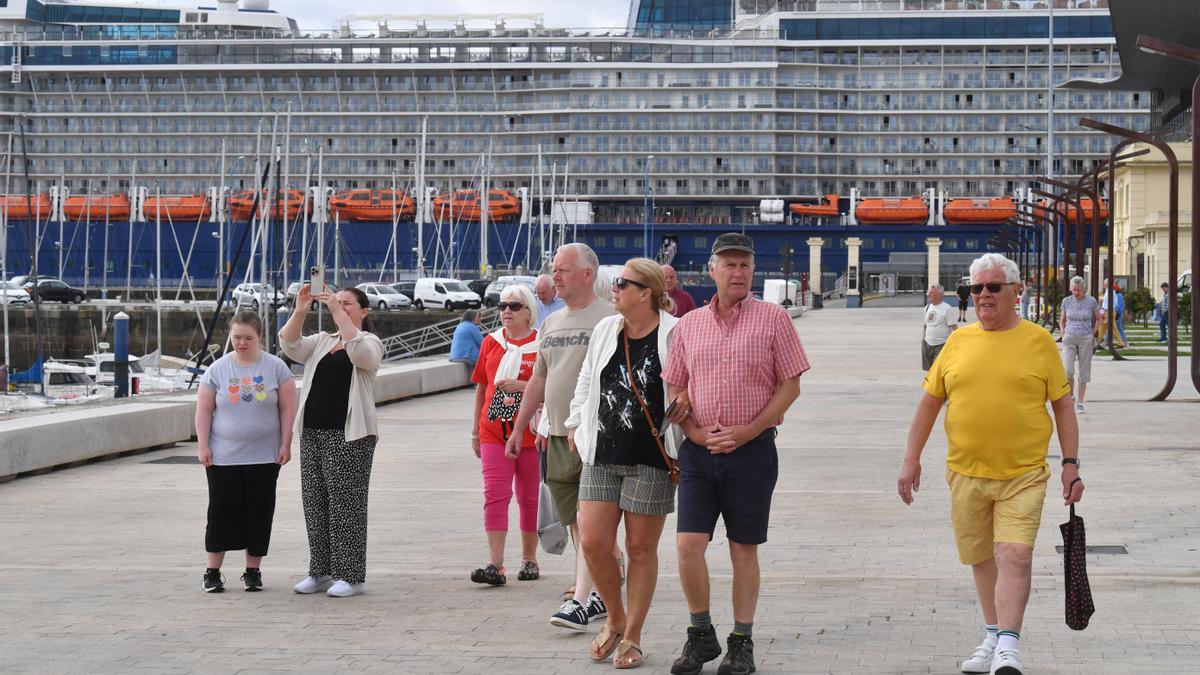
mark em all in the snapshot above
pixel 604 644
pixel 530 571
pixel 490 575
pixel 569 594
pixel 629 655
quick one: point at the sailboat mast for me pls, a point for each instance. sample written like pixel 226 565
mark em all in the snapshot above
pixel 129 252
pixel 218 207
pixel 104 258
pixel 158 272
pixel 484 205
pixel 87 242
pixel 395 231
pixel 4 244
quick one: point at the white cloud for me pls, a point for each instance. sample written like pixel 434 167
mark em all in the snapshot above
pixel 322 14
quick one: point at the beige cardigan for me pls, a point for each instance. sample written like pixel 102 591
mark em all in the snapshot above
pixel 366 353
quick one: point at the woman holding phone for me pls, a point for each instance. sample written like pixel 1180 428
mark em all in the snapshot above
pixel 617 421
pixel 337 428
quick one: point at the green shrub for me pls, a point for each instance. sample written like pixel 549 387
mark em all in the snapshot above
pixel 1138 304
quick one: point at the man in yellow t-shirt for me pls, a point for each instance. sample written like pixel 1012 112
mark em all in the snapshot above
pixel 995 378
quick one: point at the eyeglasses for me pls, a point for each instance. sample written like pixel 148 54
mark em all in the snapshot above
pixel 622 283
pixel 506 306
pixel 976 289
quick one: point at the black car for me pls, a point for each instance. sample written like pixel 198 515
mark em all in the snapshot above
pixel 53 289
pixel 479 286
pixel 405 288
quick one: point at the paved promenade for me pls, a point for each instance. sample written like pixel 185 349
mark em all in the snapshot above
pixel 102 563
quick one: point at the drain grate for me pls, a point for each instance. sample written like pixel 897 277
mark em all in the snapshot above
pixel 176 459
pixel 1109 550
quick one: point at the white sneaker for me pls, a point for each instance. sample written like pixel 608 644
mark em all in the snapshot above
pixel 342 589
pixel 981 660
pixel 1078 408
pixel 1006 663
pixel 311 584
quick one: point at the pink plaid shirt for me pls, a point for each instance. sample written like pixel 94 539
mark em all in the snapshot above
pixel 732 369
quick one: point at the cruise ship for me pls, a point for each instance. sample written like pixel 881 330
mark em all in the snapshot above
pixel 699 116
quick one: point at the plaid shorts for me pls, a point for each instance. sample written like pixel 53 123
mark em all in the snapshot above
pixel 639 489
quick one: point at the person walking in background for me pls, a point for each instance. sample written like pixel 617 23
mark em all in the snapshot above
pixel 964 295
pixel 1164 311
pixel 505 365
pixel 467 339
pixel 563 345
pixel 337 429
pixel 683 300
pixel 739 360
pixel 996 377
pixel 619 429
pixel 1108 318
pixel 1080 317
pixel 939 323
pixel 1119 301
pixel 244 414
pixel 1026 294
pixel 548 301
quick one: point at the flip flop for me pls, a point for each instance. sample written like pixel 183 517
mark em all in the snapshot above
pixel 629 655
pixel 604 644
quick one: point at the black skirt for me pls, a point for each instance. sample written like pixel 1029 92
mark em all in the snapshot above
pixel 241 508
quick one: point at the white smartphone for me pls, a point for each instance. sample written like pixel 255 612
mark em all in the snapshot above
pixel 316 279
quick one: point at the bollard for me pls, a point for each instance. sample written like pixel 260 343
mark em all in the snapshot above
pixel 121 352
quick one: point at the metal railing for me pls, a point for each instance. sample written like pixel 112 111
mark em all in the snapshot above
pixel 434 337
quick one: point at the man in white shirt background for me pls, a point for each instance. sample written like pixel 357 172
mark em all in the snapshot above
pixel 940 321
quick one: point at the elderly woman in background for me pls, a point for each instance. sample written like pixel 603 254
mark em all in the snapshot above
pixel 337 429
pixel 506 361
pixel 617 415
pixel 1080 317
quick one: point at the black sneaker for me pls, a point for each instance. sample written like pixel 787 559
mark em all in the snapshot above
pixel 490 575
pixel 529 571
pixel 739 660
pixel 213 581
pixel 571 615
pixel 701 647
pixel 596 609
pixel 253 579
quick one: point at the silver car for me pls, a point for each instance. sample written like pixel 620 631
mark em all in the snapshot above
pixel 384 297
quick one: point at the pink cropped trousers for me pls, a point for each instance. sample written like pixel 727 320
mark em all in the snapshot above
pixel 503 476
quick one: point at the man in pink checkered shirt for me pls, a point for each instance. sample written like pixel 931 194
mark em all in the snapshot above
pixel 739 360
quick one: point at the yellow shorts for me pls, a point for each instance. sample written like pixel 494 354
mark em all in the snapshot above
pixel 986 511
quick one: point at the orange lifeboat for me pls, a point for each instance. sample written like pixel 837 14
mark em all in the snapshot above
pixel 112 207
pixel 194 207
pixel 241 203
pixel 903 211
pixel 502 205
pixel 827 208
pixel 372 205
pixel 980 211
pixel 1086 205
pixel 24 207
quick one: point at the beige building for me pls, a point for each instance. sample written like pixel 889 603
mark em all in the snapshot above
pixel 1141 215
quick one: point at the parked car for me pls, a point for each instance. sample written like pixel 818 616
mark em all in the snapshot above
pixel 294 290
pixel 405 288
pixel 14 294
pixel 449 294
pixel 384 297
pixel 491 295
pixel 478 286
pixel 249 294
pixel 47 289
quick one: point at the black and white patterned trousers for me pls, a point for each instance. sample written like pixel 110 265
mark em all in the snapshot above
pixel 334 480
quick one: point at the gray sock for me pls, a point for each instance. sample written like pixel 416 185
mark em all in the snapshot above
pixel 746 629
pixel 701 619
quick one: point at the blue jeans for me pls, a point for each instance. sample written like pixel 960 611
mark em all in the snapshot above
pixel 1162 327
pixel 1121 327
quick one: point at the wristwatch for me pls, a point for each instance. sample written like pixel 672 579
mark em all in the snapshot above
pixel 1071 460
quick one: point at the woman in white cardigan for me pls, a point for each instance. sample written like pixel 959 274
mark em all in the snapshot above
pixel 617 426
pixel 336 426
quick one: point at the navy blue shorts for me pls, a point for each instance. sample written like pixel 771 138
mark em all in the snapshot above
pixel 735 486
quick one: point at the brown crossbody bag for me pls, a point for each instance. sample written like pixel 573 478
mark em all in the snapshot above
pixel 672 465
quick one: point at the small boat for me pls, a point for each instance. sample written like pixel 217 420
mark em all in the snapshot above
pixel 466 206
pixel 1086 205
pixel 372 205
pixel 98 208
pixel 827 208
pixel 241 203
pixel 24 207
pixel 194 207
pixel 980 211
pixel 902 211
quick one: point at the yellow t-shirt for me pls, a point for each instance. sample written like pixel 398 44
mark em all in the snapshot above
pixel 996 385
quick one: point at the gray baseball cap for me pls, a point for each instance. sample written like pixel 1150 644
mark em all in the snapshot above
pixel 732 241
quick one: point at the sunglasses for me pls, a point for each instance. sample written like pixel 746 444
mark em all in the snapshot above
pixel 622 283
pixel 976 289
pixel 514 306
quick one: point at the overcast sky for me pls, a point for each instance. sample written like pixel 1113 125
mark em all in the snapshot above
pixel 323 14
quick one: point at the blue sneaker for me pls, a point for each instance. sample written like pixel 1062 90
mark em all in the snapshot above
pixel 596 609
pixel 572 616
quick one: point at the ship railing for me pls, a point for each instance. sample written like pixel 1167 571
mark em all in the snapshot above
pixel 838 290
pixel 433 338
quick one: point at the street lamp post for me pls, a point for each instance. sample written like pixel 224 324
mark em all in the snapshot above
pixel 646 206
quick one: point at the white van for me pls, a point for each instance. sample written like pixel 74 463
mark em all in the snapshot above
pixel 448 294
